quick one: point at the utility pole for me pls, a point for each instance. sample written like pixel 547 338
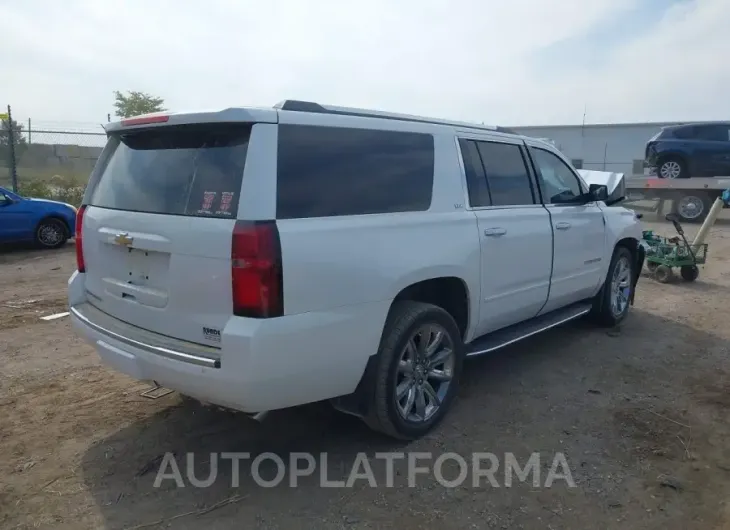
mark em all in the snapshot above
pixel 11 146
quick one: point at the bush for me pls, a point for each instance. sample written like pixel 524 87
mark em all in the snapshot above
pixel 59 188
pixel 72 195
pixel 36 189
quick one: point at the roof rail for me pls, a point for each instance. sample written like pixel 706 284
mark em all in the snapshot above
pixel 311 106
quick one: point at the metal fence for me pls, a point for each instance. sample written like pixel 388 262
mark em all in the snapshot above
pixel 43 158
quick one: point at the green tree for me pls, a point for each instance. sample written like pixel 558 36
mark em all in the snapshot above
pixel 134 103
pixel 18 139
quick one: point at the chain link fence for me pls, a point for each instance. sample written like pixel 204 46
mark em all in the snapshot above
pixel 44 163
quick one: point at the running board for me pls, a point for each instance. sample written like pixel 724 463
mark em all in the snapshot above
pixel 509 335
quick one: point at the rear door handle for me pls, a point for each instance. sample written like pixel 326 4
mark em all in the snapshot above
pixel 494 232
pixel 562 226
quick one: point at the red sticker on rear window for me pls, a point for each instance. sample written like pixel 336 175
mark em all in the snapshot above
pixel 208 198
pixel 225 205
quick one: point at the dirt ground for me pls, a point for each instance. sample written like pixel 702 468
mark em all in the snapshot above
pixel 642 414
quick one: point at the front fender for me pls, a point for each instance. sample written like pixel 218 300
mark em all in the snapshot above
pixel 64 212
pixel 621 225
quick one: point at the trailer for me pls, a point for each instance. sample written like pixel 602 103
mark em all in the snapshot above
pixel 691 198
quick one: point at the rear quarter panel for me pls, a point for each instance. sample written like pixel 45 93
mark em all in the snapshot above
pixel 353 260
pixel 687 150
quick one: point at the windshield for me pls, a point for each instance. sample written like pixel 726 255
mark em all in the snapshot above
pixel 10 194
pixel 185 170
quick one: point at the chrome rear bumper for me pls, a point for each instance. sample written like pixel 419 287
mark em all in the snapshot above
pixel 146 340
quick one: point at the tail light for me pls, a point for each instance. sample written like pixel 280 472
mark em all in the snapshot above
pixel 256 272
pixel 650 150
pixel 79 243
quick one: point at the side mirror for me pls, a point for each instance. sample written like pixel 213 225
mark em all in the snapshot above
pixel 598 192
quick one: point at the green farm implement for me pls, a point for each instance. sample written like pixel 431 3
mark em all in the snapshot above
pixel 664 254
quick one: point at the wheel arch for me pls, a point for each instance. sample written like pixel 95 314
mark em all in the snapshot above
pixel 638 255
pixel 630 243
pixel 53 216
pixel 450 291
pixel 626 239
pixel 679 156
pixel 673 154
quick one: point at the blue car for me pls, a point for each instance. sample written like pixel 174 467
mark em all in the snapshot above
pixel 48 223
pixel 691 150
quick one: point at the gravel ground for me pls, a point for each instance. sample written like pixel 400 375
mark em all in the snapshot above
pixel 641 414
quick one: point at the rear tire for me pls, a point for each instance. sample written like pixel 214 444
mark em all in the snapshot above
pixel 417 372
pixel 51 233
pixel 611 304
pixel 672 167
pixel 689 272
pixel 692 207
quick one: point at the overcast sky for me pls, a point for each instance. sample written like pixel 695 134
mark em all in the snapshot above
pixel 507 62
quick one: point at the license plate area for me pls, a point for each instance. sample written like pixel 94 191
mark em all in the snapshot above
pixel 139 268
pixel 140 276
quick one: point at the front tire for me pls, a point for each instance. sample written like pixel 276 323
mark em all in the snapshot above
pixel 611 304
pixel 51 233
pixel 417 372
pixel 663 274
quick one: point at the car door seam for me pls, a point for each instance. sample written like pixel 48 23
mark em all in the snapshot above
pixel 552 260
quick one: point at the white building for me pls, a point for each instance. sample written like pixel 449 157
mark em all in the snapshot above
pixel 611 147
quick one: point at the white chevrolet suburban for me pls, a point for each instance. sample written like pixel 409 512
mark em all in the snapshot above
pixel 259 259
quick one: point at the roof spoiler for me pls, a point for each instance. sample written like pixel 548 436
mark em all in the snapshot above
pixel 157 119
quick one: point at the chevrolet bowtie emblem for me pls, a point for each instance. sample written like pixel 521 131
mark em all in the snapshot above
pixel 123 239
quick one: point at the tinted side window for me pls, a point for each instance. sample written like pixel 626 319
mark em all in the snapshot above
pixel 476 182
pixel 507 176
pixel 714 133
pixel 559 184
pixel 331 171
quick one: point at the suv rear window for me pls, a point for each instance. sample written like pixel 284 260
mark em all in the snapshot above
pixel 190 170
pixel 333 171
